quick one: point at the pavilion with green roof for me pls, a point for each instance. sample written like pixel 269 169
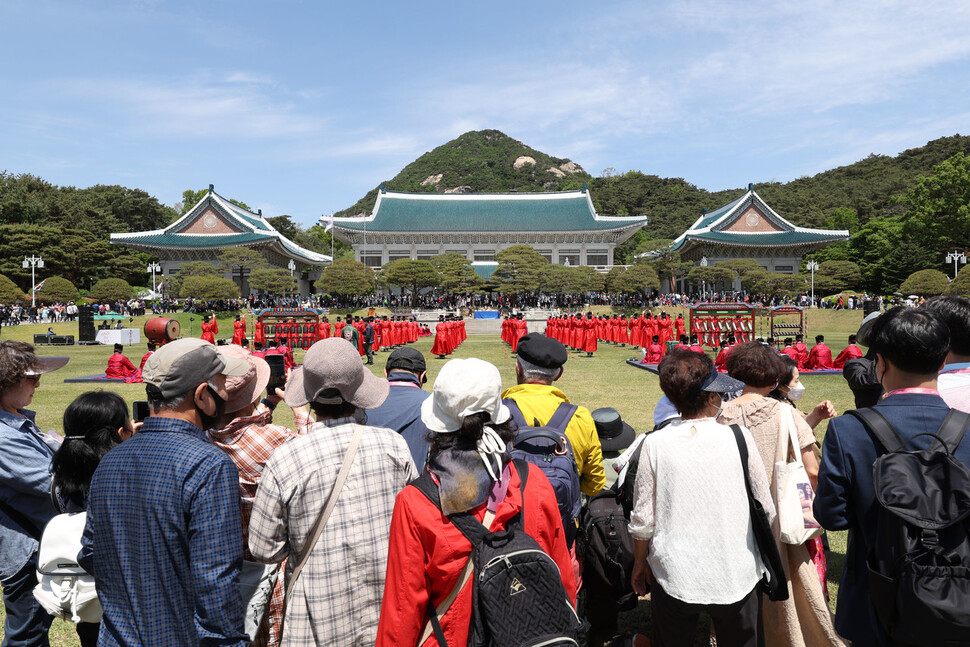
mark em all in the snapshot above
pixel 747 228
pixel 214 224
pixel 562 226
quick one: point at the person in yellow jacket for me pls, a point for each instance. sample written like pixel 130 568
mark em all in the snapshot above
pixel 539 364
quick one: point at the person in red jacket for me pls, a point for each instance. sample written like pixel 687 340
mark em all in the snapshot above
pixel 789 350
pixel 144 358
pixel 238 330
pixel 119 366
pixel 440 346
pixel 852 351
pixel 210 328
pixel 655 352
pixel 802 351
pixel 821 355
pixel 427 553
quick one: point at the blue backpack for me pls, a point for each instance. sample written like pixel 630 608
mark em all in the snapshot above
pixel 547 447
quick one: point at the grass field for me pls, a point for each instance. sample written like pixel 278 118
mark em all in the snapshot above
pixel 604 380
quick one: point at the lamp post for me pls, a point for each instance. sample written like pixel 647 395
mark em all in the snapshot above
pixel 154 267
pixel 33 262
pixel 812 266
pixel 703 263
pixel 953 257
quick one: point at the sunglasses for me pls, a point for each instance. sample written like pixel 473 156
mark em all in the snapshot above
pixel 33 378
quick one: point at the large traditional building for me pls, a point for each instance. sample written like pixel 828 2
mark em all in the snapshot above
pixel 563 226
pixel 748 228
pixel 214 224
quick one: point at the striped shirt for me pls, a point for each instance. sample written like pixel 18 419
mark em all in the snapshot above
pixel 337 600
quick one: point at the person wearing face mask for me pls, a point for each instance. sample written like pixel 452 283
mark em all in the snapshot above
pixel 808 622
pixel 162 535
pixel 694 544
pixel 790 389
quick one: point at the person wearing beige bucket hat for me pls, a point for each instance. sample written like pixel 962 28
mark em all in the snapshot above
pixel 470 471
pixel 342 578
pixel 248 436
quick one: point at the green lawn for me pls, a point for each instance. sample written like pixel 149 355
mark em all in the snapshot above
pixel 604 380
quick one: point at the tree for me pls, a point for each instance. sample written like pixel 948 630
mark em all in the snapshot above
pixel 669 265
pixel 413 275
pixel 346 277
pixel 520 269
pixel 209 288
pixel 57 289
pixel 711 276
pixel 273 281
pixel 776 284
pixel 613 277
pixel 837 276
pixel 456 273
pixel 925 283
pixel 557 279
pixel 939 214
pixel 959 286
pixel 638 278
pixel 284 225
pixel 242 260
pixel 589 280
pixel 110 290
pixel 9 292
pixel 747 270
pixel 197 268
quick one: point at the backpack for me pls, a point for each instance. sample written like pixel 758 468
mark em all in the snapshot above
pixel 518 599
pixel 919 565
pixel 63 588
pixel 607 548
pixel 547 447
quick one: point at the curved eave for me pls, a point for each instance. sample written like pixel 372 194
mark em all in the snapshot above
pixel 276 241
pixel 639 222
pixel 751 240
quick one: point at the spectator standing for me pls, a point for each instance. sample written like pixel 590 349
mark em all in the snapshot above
pixel 860 373
pixel 428 554
pixel 406 371
pixel 910 346
pixel 25 492
pixel 954 379
pixel 162 535
pixel 786 624
pixel 368 339
pixel 337 597
pixel 690 477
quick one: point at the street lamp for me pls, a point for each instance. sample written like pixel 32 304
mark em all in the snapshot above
pixel 703 263
pixel 154 267
pixel 33 262
pixel 952 257
pixel 812 265
pixel 291 266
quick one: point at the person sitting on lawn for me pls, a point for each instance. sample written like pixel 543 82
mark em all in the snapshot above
pixel 119 366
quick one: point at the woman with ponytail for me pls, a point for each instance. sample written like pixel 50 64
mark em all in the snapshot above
pixel 470 466
pixel 94 423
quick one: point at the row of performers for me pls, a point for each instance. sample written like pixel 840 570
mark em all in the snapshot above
pixel 514 328
pixel 583 333
pixel 449 333
pixel 388 331
pixel 711 330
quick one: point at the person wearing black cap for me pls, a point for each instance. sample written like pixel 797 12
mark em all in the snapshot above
pixel 406 371
pixel 615 436
pixel 539 364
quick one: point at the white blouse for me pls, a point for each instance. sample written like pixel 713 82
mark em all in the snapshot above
pixel 691 504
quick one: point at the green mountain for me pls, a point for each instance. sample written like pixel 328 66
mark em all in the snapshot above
pixel 484 161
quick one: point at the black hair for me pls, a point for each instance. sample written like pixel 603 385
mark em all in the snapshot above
pixel 852 339
pixel 819 339
pixel 91 426
pixel 467 436
pixel 327 411
pixel 786 375
pixel 119 348
pixel 954 312
pixel 151 345
pixel 914 340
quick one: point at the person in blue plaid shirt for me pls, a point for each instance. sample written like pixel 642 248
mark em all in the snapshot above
pixel 162 536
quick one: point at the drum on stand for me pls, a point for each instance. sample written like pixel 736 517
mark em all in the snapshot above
pixel 162 330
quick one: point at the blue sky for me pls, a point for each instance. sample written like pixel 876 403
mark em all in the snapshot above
pixel 300 108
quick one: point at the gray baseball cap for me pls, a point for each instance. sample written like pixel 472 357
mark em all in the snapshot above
pixel 180 366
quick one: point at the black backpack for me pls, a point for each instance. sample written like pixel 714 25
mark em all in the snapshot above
pixel 607 548
pixel 548 448
pixel 518 599
pixel 919 565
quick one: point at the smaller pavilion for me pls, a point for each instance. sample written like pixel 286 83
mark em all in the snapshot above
pixel 214 224
pixel 748 228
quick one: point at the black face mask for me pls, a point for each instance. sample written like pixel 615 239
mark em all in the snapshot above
pixel 209 422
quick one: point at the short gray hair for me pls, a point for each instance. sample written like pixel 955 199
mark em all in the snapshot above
pixel 531 371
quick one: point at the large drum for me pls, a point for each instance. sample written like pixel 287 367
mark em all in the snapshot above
pixel 162 330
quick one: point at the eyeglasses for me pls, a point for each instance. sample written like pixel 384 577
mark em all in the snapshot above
pixel 33 378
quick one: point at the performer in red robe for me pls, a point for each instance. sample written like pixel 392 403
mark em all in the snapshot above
pixel 144 358
pixel 259 337
pixel 589 334
pixel 210 328
pixel 119 366
pixel 655 352
pixel 238 330
pixel 323 329
pixel 440 346
pixel 850 352
pixel 679 326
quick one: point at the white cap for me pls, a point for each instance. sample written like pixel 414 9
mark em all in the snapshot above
pixel 464 387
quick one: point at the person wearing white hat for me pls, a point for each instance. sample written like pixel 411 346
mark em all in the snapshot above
pixel 336 595
pixel 25 483
pixel 470 470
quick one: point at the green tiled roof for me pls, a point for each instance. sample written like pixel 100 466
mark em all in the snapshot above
pixel 709 218
pixel 397 212
pixel 776 239
pixel 195 240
